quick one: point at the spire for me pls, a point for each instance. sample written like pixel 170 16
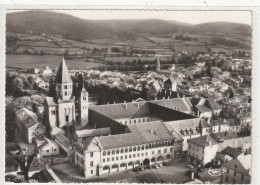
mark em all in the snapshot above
pixel 63 75
pixel 83 86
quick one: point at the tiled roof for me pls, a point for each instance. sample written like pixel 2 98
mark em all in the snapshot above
pixel 174 133
pixel 120 140
pixel 50 101
pixel 120 110
pixel 27 117
pixel 93 132
pixel 151 131
pixel 174 103
pixel 63 75
pixel 185 124
pixel 232 152
pixel 63 140
pixel 203 108
pixel 213 104
pixel 203 141
pixel 37 164
pixel 241 164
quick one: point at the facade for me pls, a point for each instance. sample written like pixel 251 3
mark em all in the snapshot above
pixel 202 150
pixel 48 148
pixel 237 171
pixel 29 125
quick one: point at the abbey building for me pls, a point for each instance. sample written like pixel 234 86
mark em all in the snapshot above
pixel 64 111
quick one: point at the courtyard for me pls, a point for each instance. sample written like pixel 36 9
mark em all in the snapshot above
pixel 174 173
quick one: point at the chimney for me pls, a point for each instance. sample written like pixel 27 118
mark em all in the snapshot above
pixel 208 120
pixel 23 112
pixel 138 105
pixel 155 98
pixel 163 98
pixel 183 95
pixel 108 102
pixel 114 102
pixel 168 97
pixel 133 101
pixel 170 92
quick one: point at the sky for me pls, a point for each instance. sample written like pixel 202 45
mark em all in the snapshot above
pixel 191 17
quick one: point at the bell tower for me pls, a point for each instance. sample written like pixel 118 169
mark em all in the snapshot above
pixel 83 106
pixel 63 83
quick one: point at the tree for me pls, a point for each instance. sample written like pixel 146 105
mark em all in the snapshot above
pixel 231 94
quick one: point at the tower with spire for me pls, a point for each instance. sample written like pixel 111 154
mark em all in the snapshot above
pixel 63 83
pixel 61 110
pixel 83 103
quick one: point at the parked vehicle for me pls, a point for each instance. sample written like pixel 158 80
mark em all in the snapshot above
pixel 189 166
pixel 141 169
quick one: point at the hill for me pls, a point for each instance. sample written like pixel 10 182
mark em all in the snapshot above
pixel 75 28
pixel 223 27
pixel 70 27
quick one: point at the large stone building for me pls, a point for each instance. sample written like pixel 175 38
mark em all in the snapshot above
pixel 63 111
pixel 123 135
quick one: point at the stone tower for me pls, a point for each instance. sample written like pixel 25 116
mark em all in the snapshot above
pixel 83 106
pixel 63 83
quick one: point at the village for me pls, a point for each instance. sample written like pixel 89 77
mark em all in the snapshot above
pixel 207 120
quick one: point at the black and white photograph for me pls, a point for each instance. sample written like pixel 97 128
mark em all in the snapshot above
pixel 128 96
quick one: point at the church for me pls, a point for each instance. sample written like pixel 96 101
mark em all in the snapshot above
pixel 63 110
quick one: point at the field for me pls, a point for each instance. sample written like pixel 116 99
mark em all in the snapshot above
pixel 53 61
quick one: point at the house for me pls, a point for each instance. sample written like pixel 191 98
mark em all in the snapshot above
pixel 48 148
pixel 46 176
pixel 170 84
pixel 28 125
pixel 36 165
pixel 64 144
pixel 202 150
pixel 46 71
pixel 154 89
pixel 237 171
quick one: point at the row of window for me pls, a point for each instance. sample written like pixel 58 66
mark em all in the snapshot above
pixel 193 148
pixel 138 120
pixel 138 148
pixel 133 156
pixel 65 86
pixel 235 173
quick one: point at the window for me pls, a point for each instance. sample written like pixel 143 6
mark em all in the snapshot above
pixel 134 149
pixel 121 157
pixel 126 150
pixel 227 171
pixel 66 93
pixel 117 158
pixel 165 150
pixel 112 158
pixel 130 149
pixel 91 163
pixel 104 153
pixel 104 160
pixel 126 157
pixel 113 152
pixel 152 152
pixel 159 151
pixel 142 147
pixel 138 155
pixel 91 171
pixel 171 149
pixel 53 112
pixel 125 122
pixel 108 159
pixel 242 177
pixel 91 154
pixel 134 121
pixel 234 181
pixel 122 150
pixel 226 179
pixel 47 150
pixel 65 87
pixel 67 118
pixel 84 98
pixel 142 154
pixel 133 155
pixel 55 149
pixel 117 151
pixel 146 153
pixel 130 156
pixel 108 152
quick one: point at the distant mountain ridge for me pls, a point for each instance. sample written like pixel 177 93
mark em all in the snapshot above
pixel 75 28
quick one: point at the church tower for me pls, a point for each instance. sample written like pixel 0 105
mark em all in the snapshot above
pixel 63 83
pixel 83 106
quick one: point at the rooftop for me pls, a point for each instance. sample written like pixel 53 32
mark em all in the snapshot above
pixel 203 141
pixel 241 164
pixel 63 75
pixel 93 132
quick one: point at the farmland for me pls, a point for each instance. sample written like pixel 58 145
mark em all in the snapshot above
pixel 53 61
